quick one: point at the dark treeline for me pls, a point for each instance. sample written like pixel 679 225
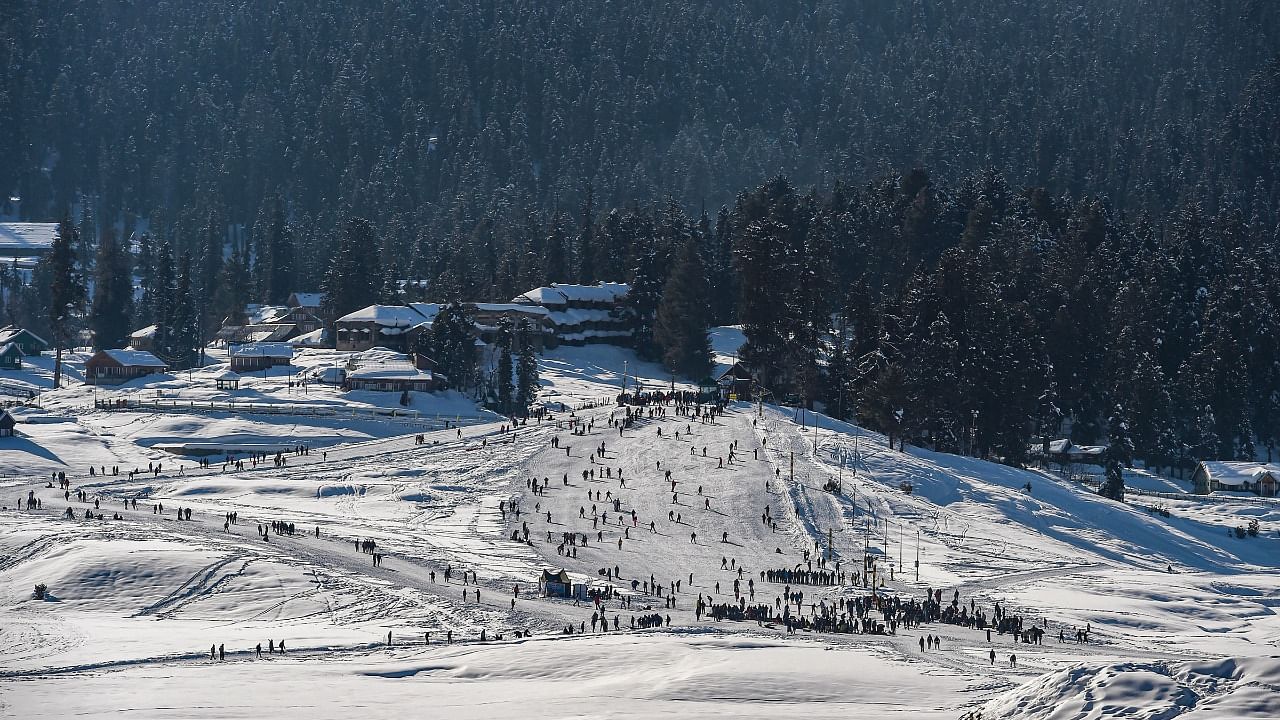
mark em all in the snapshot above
pixel 1094 238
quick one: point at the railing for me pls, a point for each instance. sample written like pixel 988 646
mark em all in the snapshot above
pixel 412 418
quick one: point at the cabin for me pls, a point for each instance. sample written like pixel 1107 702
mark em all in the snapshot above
pixel 251 357
pixel 28 342
pixel 143 339
pixel 1064 452
pixel 10 357
pixel 735 383
pixel 112 367
pixel 395 327
pixel 268 324
pixel 7 423
pixel 581 314
pixel 558 584
pixel 394 377
pixel 1236 476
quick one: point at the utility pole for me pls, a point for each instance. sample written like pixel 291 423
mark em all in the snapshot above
pixel 624 377
pixel 829 543
pixel 917 554
pixel 793 466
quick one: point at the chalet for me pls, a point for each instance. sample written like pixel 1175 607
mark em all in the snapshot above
pixel 251 357
pixel 7 423
pixel 112 367
pixel 487 317
pixel 144 339
pixel 268 323
pixel 391 326
pixel 580 314
pixel 735 383
pixel 1231 476
pixel 1064 452
pixel 394 377
pixel 28 342
pixel 10 357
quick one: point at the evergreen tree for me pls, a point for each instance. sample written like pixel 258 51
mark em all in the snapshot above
pixel 506 368
pixel 112 309
pixel 1119 456
pixel 680 328
pixel 66 291
pixel 452 346
pixel 182 337
pixel 526 368
pixel 353 281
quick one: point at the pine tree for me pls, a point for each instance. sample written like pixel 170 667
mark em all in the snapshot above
pixel 66 291
pixel 353 280
pixel 278 275
pixel 112 308
pixel 452 346
pixel 680 328
pixel 182 339
pixel 506 368
pixel 526 368
pixel 1119 456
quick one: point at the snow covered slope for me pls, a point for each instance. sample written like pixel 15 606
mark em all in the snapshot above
pixel 138 601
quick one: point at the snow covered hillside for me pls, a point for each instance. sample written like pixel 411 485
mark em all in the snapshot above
pixel 682 521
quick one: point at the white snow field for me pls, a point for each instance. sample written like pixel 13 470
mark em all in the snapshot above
pixel 1182 616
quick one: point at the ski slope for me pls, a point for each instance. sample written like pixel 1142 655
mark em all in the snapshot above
pixel 1174 605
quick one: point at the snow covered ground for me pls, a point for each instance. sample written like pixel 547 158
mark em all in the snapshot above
pixel 1182 615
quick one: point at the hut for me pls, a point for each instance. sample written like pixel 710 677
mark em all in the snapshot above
pixel 227 380
pixel 251 357
pixel 7 423
pixel 10 356
pixel 735 383
pixel 27 341
pixel 112 367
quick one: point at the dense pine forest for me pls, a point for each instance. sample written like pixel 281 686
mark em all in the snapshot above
pixel 968 223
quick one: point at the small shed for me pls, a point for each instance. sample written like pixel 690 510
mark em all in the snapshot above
pixel 227 380
pixel 7 423
pixel 735 383
pixel 10 356
pixel 112 367
pixel 557 583
pixel 250 357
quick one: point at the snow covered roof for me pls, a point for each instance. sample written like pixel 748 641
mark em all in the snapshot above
pixel 146 332
pixel 306 299
pixel 556 294
pixel 392 315
pixel 135 358
pixel 11 333
pixel 227 375
pixel 27 238
pixel 9 348
pixel 315 338
pixel 263 349
pixel 427 310
pixel 259 314
pixel 1233 473
pixel 512 307
pixel 390 372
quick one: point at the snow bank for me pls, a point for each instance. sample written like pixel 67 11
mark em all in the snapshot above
pixel 1228 688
